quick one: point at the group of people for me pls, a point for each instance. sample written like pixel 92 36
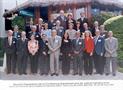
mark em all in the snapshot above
pixel 62 44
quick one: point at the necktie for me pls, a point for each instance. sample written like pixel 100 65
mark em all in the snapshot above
pixel 96 40
pixel 10 41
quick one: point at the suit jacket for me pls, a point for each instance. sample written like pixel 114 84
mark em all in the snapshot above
pixel 17 35
pixel 78 45
pixel 63 21
pixel 27 29
pixel 43 46
pixel 60 31
pixel 51 24
pixel 9 49
pixel 111 46
pixel 99 45
pixel 74 23
pixel 54 44
pixel 93 30
pixel 37 35
pixel 22 47
pixel 85 20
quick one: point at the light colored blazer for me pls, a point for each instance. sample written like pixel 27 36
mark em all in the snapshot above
pixel 54 44
pixel 111 47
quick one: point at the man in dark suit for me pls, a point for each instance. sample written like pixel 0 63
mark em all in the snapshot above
pixel 28 28
pixel 16 33
pixel 10 50
pixel 51 22
pixel 82 20
pixel 95 27
pixel 62 18
pixel 40 24
pixel 34 32
pixel 44 56
pixel 78 47
pixel 22 53
pixel 98 53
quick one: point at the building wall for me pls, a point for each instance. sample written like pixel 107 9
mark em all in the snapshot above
pixel 2 22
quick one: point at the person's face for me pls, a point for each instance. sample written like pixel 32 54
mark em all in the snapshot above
pixel 23 34
pixel 46 26
pixel 62 13
pixel 78 34
pixel 40 21
pixel 85 25
pixel 32 37
pixel 10 33
pixel 54 33
pixel 87 34
pixel 78 24
pixel 15 29
pixel 97 33
pixel 65 35
pixel 70 26
pixel 31 23
pixel 82 14
pixel 69 16
pixel 110 34
pixel 96 24
pixel 58 23
pixel 102 27
pixel 33 30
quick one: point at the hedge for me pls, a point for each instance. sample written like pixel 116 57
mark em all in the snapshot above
pixel 115 24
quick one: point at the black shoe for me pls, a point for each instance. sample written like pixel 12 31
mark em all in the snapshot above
pixel 46 74
pixel 80 74
pixel 42 74
pixel 114 74
pixel 96 73
pixel 7 72
pixel 107 74
pixel 20 73
pixel 90 73
pixel 52 74
pixel 25 73
pixel 57 74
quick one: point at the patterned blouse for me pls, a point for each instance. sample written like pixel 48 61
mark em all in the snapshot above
pixel 33 47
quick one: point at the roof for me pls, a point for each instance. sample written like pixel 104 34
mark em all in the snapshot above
pixel 42 3
pixel 116 3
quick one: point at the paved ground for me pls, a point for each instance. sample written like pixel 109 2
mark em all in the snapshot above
pixel 4 76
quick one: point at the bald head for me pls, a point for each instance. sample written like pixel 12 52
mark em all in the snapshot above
pixel 23 34
pixel 10 33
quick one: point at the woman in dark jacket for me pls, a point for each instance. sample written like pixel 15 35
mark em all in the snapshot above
pixel 66 54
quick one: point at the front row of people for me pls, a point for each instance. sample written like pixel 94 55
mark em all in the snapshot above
pixel 83 53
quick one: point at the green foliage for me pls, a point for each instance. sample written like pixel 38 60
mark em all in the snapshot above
pixel 115 24
pixel 102 17
pixel 19 20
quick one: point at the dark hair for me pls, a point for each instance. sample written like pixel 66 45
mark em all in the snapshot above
pixel 64 37
pixel 31 36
